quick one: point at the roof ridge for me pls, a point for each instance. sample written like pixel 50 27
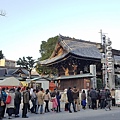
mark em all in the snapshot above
pixel 66 45
pixel 61 38
pixel 79 40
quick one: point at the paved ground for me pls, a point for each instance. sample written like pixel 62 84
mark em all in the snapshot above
pixel 87 114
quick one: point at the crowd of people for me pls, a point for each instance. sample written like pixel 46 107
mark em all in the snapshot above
pixel 11 106
pixel 100 99
pixel 41 99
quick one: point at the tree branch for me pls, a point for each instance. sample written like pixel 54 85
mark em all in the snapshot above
pixel 2 13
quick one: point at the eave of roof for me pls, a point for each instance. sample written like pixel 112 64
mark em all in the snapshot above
pixel 54 59
pixel 89 75
pixel 61 58
pixel 38 79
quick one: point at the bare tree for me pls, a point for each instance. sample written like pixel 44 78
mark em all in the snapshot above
pixel 2 13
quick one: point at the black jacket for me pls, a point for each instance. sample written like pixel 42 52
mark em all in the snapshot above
pixel 93 94
pixel 70 96
pixel 17 97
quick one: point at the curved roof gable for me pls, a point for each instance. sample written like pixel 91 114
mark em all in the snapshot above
pixel 77 47
pixel 80 47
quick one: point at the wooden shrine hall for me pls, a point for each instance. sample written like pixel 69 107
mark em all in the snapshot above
pixel 72 59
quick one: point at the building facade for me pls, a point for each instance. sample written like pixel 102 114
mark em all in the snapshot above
pixel 73 57
pixel 7 63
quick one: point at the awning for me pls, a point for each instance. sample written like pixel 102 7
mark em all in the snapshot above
pixel 10 81
pixel 89 75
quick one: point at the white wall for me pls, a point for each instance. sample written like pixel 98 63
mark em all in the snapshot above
pixel 44 84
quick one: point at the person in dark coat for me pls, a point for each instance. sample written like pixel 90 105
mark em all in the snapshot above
pixel 70 100
pixel 102 97
pixel 93 95
pixel 17 101
pixel 3 97
pixel 58 97
pixel 108 99
pixel 25 102
pixel 29 101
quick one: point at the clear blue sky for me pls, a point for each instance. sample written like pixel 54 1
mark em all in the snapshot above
pixel 28 22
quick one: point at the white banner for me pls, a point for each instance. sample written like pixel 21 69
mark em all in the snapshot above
pixel 117 97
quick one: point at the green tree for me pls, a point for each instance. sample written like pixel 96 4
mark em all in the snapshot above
pixel 46 49
pixel 99 83
pixel 27 63
pixel 1 55
pixel 44 70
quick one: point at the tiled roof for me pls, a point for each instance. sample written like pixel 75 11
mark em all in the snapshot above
pixel 11 71
pixel 81 48
pixel 3 72
pixel 21 70
pixel 78 47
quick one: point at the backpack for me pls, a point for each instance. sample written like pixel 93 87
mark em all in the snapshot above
pixel 8 100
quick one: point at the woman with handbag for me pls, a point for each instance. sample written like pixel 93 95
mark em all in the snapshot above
pixel 83 99
pixel 10 106
pixel 47 98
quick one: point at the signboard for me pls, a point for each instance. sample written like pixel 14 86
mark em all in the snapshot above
pixel 117 97
pixel 103 60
